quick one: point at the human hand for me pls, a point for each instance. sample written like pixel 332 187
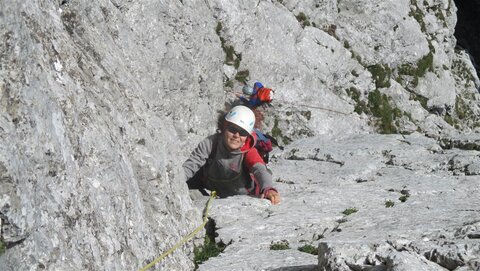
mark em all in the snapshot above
pixel 273 196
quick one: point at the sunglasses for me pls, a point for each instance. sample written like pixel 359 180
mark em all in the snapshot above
pixel 232 129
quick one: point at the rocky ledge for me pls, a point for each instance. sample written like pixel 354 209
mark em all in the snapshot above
pixel 371 202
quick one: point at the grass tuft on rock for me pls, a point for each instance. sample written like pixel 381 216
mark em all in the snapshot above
pixel 350 211
pixel 208 250
pixel 303 19
pixel 242 76
pixel 380 107
pixel 381 75
pixel 309 249
pixel 280 245
pixel 389 203
pixel 3 247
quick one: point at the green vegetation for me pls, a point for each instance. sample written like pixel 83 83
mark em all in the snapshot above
pixel 242 76
pixel 450 120
pixel 229 83
pixel 280 245
pixel 207 250
pixel 360 106
pixel 389 203
pixel 403 198
pixel 462 112
pixel 309 249
pixel 277 133
pixel 418 15
pixel 461 108
pixel 356 57
pixel 381 75
pixel 231 57
pixel 350 211
pixel 380 107
pixel 439 14
pixel 421 99
pixel 3 247
pixel 303 19
pixel 460 69
pixel 423 65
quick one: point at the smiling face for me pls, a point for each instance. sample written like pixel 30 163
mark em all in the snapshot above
pixel 234 136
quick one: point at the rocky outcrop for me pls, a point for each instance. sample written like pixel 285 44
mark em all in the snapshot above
pixel 95 108
pixel 371 202
pixel 101 103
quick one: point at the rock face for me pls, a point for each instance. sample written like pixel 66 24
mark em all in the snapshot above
pixel 369 201
pixel 95 108
pixel 102 102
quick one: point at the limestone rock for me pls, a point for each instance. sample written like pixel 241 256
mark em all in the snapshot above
pixel 101 102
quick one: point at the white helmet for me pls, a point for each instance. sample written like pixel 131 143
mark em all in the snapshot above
pixel 241 116
pixel 247 90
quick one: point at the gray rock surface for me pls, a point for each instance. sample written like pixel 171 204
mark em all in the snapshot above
pixel 412 211
pixel 95 103
pixel 102 101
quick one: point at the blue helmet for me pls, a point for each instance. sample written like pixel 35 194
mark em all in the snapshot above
pixel 257 86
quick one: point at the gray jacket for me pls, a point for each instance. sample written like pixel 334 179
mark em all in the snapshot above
pixel 230 173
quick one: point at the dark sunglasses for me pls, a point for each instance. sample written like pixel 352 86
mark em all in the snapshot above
pixel 232 129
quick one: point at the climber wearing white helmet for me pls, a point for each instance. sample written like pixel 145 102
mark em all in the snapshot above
pixel 228 162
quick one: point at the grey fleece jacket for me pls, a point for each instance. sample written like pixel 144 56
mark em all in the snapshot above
pixel 229 173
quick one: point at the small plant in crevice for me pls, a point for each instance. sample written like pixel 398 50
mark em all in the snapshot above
pixel 437 9
pixel 381 75
pixel 350 211
pixel 450 120
pixel 360 105
pixel 303 19
pixel 419 98
pixel 389 203
pixel 403 198
pixel 231 57
pixel 280 245
pixel 461 109
pixel 460 70
pixel 229 83
pixel 276 132
pixel 415 71
pixel 309 249
pixel 242 76
pixel 3 246
pixel 462 113
pixel 209 248
pixel 380 107
pixel 418 15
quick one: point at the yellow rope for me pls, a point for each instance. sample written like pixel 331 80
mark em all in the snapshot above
pixel 188 237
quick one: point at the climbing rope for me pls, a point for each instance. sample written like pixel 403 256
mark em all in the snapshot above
pixel 324 109
pixel 290 104
pixel 188 237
